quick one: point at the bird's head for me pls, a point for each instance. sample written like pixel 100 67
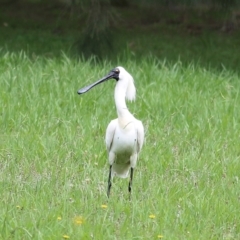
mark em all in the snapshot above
pixel 120 75
pixel 126 81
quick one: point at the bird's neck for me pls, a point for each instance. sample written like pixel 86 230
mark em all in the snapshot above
pixel 119 95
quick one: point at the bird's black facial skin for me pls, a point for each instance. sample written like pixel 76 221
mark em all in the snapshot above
pixel 112 74
pixel 115 73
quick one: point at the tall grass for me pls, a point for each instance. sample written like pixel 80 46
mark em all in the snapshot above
pixel 53 163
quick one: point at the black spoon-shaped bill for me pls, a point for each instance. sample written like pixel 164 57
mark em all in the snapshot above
pixel 87 88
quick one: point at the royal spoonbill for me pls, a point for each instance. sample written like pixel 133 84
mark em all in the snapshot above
pixel 125 134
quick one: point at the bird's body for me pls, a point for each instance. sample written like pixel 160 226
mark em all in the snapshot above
pixel 123 145
pixel 125 134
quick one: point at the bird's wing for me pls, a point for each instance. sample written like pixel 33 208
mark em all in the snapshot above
pixel 140 136
pixel 110 133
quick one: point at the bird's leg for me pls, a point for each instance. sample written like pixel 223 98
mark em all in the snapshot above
pixel 109 181
pixel 130 182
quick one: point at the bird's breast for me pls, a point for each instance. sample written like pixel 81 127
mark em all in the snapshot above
pixel 125 139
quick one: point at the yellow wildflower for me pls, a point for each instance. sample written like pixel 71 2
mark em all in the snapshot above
pixel 160 236
pixel 78 220
pixel 59 218
pixel 104 206
pixel 152 216
pixel 66 236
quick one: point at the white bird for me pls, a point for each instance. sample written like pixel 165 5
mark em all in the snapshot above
pixel 125 134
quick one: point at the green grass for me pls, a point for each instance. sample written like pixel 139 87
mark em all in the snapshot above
pixel 53 161
pixel 191 35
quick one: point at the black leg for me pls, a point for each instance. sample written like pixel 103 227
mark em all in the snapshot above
pixel 130 182
pixel 109 181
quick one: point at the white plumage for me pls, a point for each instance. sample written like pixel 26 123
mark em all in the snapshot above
pixel 125 134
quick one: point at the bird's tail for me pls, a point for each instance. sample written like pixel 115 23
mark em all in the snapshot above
pixel 120 170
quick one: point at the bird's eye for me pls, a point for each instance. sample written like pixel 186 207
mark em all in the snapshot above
pixel 116 70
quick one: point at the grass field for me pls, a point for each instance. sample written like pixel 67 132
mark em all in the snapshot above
pixel 53 163
pixel 189 35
